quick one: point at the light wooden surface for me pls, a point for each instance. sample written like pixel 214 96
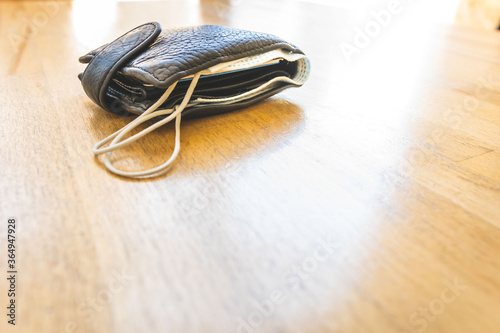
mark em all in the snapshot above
pixel 354 203
pixel 480 14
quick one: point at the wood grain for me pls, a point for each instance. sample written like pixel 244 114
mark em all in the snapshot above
pixel 365 201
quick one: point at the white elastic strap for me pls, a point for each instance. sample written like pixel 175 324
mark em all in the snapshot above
pixel 148 114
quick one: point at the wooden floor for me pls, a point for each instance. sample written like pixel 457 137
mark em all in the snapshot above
pixel 365 201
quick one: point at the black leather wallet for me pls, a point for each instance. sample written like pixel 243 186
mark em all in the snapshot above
pixel 194 71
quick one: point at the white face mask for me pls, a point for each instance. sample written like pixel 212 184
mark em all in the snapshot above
pixel 115 139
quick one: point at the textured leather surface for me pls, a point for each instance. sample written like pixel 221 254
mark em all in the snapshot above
pixel 116 72
pixel 105 61
pixel 177 53
pixel 85 59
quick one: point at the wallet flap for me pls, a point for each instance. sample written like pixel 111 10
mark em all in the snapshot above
pixel 182 52
pixel 85 59
pixel 104 63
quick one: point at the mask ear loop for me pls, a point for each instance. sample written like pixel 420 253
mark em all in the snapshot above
pixel 148 114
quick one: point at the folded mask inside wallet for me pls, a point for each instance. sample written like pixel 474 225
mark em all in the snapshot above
pixel 195 71
pixel 223 87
